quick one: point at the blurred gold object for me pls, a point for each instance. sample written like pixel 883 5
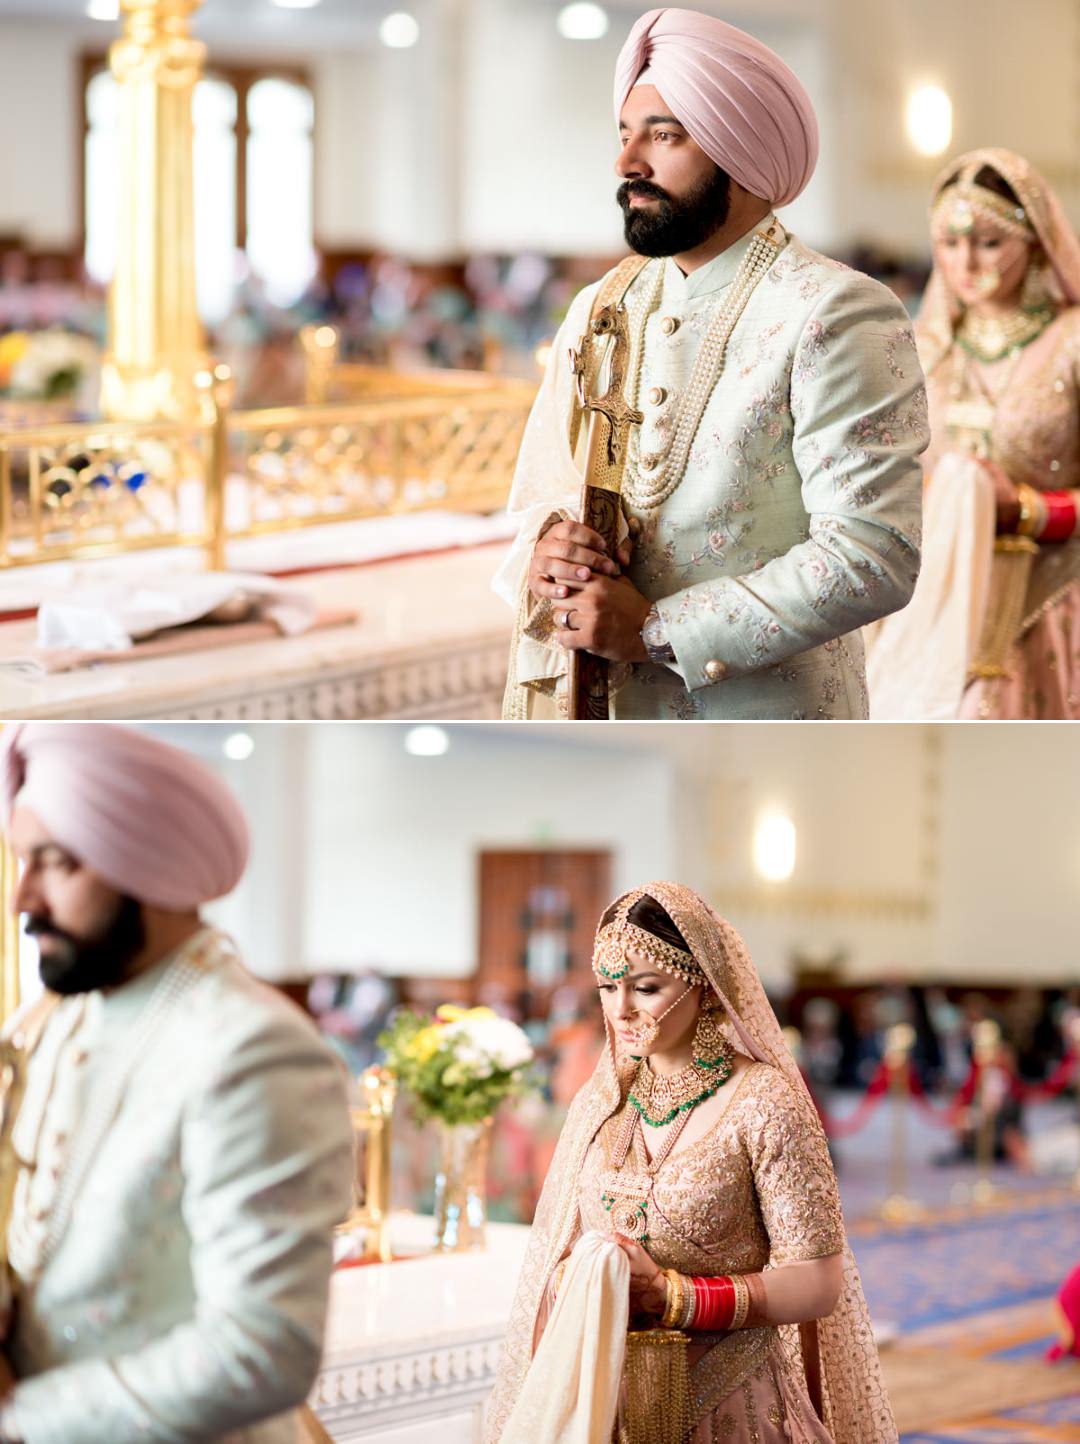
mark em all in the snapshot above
pixel 898 1207
pixel 10 992
pixel 156 344
pixel 371 1120
pixel 986 1040
pixel 1014 557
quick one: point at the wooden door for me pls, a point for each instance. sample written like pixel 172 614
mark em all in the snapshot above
pixel 538 916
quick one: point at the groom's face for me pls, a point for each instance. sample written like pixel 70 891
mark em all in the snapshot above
pixel 673 197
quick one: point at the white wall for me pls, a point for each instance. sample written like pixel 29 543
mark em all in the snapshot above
pixel 39 127
pixel 392 860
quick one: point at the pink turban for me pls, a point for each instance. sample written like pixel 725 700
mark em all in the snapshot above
pixel 736 98
pixel 150 819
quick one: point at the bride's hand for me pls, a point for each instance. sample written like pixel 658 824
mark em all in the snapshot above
pixel 1005 495
pixel 648 1286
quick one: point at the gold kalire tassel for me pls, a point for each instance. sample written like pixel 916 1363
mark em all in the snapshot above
pixel 655 1403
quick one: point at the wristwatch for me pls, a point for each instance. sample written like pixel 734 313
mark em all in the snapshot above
pixel 654 636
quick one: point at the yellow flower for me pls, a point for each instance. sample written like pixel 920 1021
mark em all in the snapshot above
pixel 451 1013
pixel 13 347
pixel 425 1045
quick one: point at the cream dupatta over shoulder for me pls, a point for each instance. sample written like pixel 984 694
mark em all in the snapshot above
pixel 854 1400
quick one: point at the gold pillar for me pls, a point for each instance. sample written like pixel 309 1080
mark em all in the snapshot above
pixel 156 344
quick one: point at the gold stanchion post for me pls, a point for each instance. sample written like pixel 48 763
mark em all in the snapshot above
pixel 986 1037
pixel 898 1207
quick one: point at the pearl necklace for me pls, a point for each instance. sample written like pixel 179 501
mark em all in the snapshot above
pixel 650 481
pixel 989 338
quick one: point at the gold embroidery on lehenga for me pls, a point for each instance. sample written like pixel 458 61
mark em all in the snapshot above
pixel 753 1436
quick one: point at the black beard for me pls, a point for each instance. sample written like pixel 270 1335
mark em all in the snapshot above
pixel 83 965
pixel 673 227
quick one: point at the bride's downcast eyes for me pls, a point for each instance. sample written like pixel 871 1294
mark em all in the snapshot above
pixel 647 990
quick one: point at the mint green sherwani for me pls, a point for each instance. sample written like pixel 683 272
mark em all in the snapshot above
pixel 797 518
pixel 172 1246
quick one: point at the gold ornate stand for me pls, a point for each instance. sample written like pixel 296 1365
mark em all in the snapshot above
pixel 371 1120
pixel 156 345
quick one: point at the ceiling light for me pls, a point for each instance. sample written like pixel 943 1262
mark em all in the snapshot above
pixel 928 119
pixel 103 9
pixel 399 31
pixel 239 746
pixel 296 4
pixel 774 847
pixel 582 21
pixel 426 741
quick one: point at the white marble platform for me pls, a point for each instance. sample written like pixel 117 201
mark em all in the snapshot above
pixel 412 1346
pixel 430 641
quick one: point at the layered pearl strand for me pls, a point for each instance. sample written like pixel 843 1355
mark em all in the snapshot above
pixel 646 486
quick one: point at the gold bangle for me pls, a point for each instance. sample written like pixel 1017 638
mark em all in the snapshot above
pixel 673 1306
pixel 742 1302
pixel 690 1304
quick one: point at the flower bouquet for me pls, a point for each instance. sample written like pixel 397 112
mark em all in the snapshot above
pixel 458 1068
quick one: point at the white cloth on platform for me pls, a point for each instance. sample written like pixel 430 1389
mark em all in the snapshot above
pixel 190 1149
pixel 571 1392
pixel 112 617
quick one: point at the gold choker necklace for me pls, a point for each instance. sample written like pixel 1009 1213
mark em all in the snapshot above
pixel 660 1098
pixel 989 338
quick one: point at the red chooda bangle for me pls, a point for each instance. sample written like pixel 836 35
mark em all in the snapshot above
pixel 715 1303
pixel 1060 515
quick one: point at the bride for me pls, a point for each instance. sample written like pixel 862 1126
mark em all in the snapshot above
pixel 688 1279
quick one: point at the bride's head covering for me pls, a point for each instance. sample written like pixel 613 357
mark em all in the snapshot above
pixel 1040 216
pixel 857 1405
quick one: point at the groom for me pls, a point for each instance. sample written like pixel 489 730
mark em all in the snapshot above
pixel 182 1147
pixel 772 490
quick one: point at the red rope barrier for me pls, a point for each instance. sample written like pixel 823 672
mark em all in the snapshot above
pixel 945 1115
pixel 860 1114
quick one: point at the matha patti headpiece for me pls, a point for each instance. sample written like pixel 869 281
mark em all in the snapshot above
pixel 619 934
pixel 962 203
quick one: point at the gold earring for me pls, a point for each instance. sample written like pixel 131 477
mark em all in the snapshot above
pixel 1035 292
pixel 711 1048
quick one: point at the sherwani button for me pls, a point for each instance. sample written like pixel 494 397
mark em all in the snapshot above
pixel 669 325
pixel 633 526
pixel 715 670
pixel 657 396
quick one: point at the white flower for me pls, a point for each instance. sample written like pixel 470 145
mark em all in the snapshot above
pixel 487 1044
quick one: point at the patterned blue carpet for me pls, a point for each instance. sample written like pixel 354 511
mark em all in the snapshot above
pixel 978 1287
pixel 945 1270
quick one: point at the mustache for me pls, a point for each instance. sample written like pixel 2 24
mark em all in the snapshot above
pixel 37 926
pixel 643 189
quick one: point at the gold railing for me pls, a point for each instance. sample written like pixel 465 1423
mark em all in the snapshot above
pixel 101 489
